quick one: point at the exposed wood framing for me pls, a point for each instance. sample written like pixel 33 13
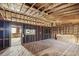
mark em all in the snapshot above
pixel 48 12
pixel 30 7
pixel 21 7
pixel 55 5
pixel 23 19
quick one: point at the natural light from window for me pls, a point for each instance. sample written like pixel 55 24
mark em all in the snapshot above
pixel 13 30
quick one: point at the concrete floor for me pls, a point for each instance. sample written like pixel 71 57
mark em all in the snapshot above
pixel 49 47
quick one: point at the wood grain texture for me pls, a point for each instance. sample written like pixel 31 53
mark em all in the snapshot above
pixel 15 51
pixel 49 47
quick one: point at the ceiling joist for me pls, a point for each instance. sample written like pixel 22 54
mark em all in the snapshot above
pixel 45 12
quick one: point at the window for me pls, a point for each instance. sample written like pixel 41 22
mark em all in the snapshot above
pixel 30 32
pixel 13 30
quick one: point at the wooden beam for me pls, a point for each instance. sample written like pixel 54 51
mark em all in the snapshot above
pixel 73 11
pixel 49 7
pixel 54 5
pixel 18 13
pixel 70 14
pixel 30 8
pixel 28 16
pixel 70 9
pixel 21 7
pixel 38 9
pixel 77 13
pixel 8 5
pixel 67 9
pixel 63 7
pixel 4 12
pixel 42 6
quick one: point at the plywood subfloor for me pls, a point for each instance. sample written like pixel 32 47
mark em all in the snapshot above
pixel 53 47
pixel 49 47
pixel 15 41
pixel 15 51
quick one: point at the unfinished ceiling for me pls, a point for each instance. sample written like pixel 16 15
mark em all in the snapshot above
pixel 48 12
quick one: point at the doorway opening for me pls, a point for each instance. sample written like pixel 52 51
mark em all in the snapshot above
pixel 16 35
